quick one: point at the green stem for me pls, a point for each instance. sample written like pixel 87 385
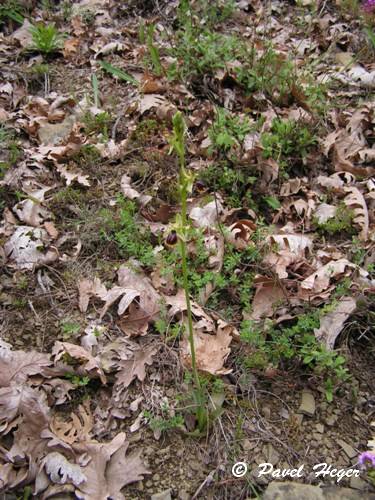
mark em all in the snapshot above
pixel 189 315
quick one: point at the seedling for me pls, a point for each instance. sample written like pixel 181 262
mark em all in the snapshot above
pixel 287 141
pixel 11 9
pixel 153 51
pixel 70 328
pixel 97 124
pixel 227 130
pixel 342 222
pixel 270 345
pixel 46 39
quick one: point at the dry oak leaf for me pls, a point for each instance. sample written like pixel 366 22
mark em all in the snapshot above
pixel 324 212
pixel 109 469
pixel 208 215
pixel 132 193
pixel 124 469
pixel 290 248
pixel 73 175
pixel 320 280
pixel 24 248
pixel 211 351
pixel 17 366
pixel 61 471
pixel 268 293
pixel 63 432
pixel 31 210
pixel 356 202
pixel 178 306
pixel 135 367
pixel 332 323
pixel 89 363
pixel 149 101
pixel 133 285
pixel 88 288
pixel 22 400
pixel 240 232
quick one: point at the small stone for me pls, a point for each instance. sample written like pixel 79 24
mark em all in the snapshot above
pixel 319 428
pixel 272 455
pixel 163 495
pixel 295 491
pixel 331 420
pixel 148 484
pixel 307 406
pixel 358 484
pixel 196 466
pixel 349 450
pixel 140 486
pixel 55 133
pixel 266 411
pixel 298 418
pixel 183 495
pixel 248 445
pixel 156 478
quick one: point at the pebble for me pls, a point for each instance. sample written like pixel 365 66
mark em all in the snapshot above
pixel 307 406
pixel 358 484
pixel 331 420
pixel 349 450
pixel 163 495
pixel 266 411
pixel 319 428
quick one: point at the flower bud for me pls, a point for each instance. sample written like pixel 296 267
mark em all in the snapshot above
pixel 200 186
pixel 172 238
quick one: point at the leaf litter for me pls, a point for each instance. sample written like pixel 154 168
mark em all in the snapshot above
pixel 105 314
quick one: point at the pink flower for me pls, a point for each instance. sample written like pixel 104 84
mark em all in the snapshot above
pixel 367 460
pixel 369 6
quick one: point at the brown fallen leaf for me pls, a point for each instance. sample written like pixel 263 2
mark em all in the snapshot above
pixel 61 471
pixel 70 47
pixel 177 305
pixel 88 288
pixel 124 469
pixel 24 248
pixel 211 350
pixel 31 211
pixel 23 400
pixel 268 293
pixel 320 280
pixel 240 232
pixel 133 285
pixel 332 323
pixel 290 248
pixel 208 215
pixel 132 193
pixel 17 366
pixel 71 175
pixel 135 367
pixel 356 202
pixel 88 363
pixel 324 212
pixel 149 101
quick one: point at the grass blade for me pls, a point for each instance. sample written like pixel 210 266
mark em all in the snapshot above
pixel 119 73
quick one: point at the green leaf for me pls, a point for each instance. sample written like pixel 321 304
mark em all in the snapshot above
pixel 272 202
pixel 119 73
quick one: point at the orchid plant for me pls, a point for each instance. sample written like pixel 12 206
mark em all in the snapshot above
pixel 180 234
